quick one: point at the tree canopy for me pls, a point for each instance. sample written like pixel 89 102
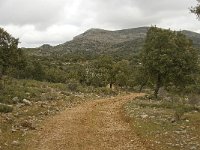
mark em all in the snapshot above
pixel 10 54
pixel 168 58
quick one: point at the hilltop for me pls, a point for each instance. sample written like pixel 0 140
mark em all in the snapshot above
pixel 98 41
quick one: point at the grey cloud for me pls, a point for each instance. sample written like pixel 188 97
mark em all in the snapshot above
pixel 138 12
pixel 36 12
pixel 56 21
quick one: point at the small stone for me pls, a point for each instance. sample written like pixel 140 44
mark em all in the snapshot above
pixel 28 93
pixel 173 120
pixel 26 102
pixel 157 142
pixel 20 105
pixel 165 133
pixel 43 105
pixel 193 148
pixel 144 116
pixel 15 100
pixel 14 130
pixel 16 143
pixel 8 118
pixel 16 114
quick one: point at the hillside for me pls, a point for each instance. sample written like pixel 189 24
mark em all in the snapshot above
pixel 119 42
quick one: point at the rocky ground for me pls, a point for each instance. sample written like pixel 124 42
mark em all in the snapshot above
pixel 155 123
pixel 26 117
pixel 85 121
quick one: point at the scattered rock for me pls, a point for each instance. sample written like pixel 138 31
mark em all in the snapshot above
pixel 20 105
pixel 15 143
pixel 16 114
pixel 173 120
pixel 46 113
pixel 187 120
pixel 152 117
pixel 28 93
pixel 180 132
pixel 144 116
pixel 15 100
pixel 43 105
pixel 24 133
pixel 26 102
pixel 57 109
pixel 13 130
pixel 6 144
pixel 193 148
pixel 157 142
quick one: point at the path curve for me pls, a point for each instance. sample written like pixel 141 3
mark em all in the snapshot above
pixel 94 125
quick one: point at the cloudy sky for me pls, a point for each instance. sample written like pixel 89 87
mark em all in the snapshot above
pixel 36 22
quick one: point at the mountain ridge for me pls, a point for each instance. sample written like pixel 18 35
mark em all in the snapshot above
pixel 100 41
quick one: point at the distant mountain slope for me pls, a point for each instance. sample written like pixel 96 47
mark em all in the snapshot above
pixel 195 37
pixel 113 37
pixel 127 41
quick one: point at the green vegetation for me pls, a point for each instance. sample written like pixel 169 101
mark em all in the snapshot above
pixel 11 58
pixel 168 59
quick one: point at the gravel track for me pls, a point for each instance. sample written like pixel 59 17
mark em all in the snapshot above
pixel 94 125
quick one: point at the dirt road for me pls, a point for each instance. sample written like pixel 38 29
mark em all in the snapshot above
pixel 94 125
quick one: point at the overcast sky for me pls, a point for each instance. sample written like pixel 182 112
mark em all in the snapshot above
pixel 36 22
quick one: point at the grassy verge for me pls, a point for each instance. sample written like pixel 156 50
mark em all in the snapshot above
pixel 155 123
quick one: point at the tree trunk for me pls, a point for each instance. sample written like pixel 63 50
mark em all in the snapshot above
pixel 158 85
pixel 111 85
pixel 1 75
pixel 1 80
pixel 142 85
